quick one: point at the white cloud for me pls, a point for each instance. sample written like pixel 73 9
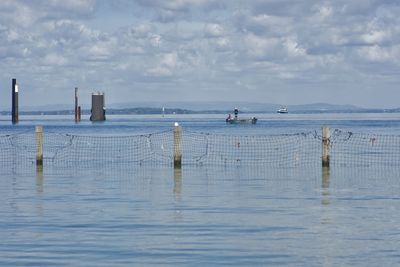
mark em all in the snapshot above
pixel 293 48
pixel 54 59
pixel 17 13
pixel 374 37
pixel 80 6
pixel 261 48
pixel 175 10
pixel 213 30
pixel 322 12
pixel 374 53
pixel 12 36
pixel 159 71
pixel 155 40
pixel 223 44
pixel 169 60
pixel 166 65
pixel 142 30
pixel 207 43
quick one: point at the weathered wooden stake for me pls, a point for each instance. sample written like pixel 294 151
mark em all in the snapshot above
pixel 177 146
pixel 325 146
pixel 39 145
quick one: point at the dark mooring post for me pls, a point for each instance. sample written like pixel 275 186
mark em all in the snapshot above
pixel 39 145
pixel 177 146
pixel 79 113
pixel 325 146
pixel 76 105
pixel 14 104
pixel 98 110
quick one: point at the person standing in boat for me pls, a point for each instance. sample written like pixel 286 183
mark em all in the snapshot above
pixel 236 113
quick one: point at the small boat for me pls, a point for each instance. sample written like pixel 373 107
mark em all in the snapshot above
pixel 282 110
pixel 236 120
pixel 242 121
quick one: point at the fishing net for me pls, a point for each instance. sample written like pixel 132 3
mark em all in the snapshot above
pixel 285 150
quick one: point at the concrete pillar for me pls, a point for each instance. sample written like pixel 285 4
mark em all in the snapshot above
pixel 98 110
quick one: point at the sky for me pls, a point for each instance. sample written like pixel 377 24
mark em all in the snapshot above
pixel 266 51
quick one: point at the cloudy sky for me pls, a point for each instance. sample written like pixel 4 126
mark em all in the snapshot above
pixel 268 51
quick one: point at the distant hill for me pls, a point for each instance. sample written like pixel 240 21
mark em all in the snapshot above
pixel 242 106
pixel 216 107
pixel 324 107
pixel 201 106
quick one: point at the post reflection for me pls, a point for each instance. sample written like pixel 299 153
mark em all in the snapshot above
pixel 177 184
pixel 39 178
pixel 177 192
pixel 325 185
pixel 39 191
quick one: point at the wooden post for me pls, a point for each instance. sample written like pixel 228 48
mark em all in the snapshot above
pixel 177 146
pixel 39 145
pixel 325 146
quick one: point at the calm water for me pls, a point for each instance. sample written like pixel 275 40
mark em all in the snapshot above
pixel 201 216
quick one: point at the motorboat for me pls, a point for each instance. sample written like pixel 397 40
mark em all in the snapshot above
pixel 236 120
pixel 242 121
pixel 282 110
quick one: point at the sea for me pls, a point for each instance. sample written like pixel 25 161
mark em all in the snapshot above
pixel 200 215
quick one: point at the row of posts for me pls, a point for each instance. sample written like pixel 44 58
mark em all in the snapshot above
pixel 97 111
pixel 98 99
pixel 178 146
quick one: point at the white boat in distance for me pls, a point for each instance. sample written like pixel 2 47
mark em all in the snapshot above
pixel 282 110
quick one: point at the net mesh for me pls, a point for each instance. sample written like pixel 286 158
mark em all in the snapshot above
pixel 17 148
pixel 287 150
pixel 100 150
pixel 364 149
pixel 272 150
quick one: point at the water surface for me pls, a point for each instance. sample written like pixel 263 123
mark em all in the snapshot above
pixel 200 216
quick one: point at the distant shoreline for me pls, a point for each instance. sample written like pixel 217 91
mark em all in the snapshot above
pixel 170 111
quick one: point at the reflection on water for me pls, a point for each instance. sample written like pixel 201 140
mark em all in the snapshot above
pixel 39 178
pixel 239 216
pixel 325 185
pixel 199 216
pixel 177 184
pixel 177 193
